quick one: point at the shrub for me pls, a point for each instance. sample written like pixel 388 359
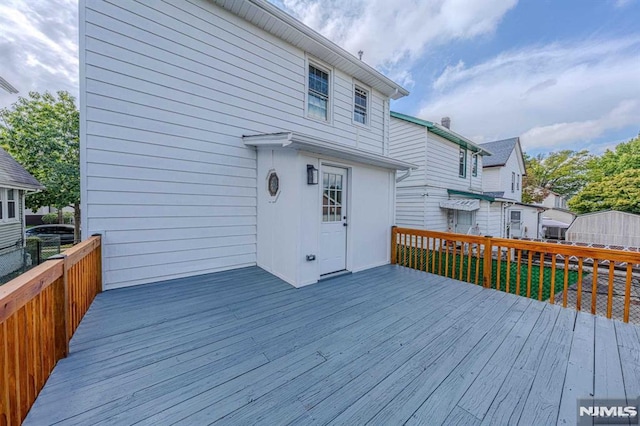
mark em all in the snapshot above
pixel 51 218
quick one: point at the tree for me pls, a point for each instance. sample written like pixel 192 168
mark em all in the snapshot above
pixel 615 181
pixel 564 172
pixel 42 133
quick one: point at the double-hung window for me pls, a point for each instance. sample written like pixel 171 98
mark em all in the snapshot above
pixel 318 96
pixel 513 181
pixel 360 105
pixel 11 203
pixel 518 182
pixel 474 166
pixel 462 169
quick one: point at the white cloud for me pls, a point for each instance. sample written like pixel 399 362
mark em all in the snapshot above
pixel 39 46
pixel 622 3
pixel 552 96
pixel 393 33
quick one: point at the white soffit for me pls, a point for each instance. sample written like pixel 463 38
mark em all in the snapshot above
pixel 307 143
pixel 460 204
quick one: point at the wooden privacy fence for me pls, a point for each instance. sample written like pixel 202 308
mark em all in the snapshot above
pixel 39 312
pixel 604 281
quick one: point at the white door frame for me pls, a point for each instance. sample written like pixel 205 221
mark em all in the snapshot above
pixel 347 212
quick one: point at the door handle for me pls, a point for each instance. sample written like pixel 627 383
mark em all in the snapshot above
pixel 344 224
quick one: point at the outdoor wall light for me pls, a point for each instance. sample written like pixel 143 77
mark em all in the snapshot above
pixel 312 175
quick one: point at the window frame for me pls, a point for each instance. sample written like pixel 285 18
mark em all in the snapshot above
pixel 4 205
pixel 367 112
pixel 518 182
pixel 513 182
pixel 474 164
pixel 330 72
pixel 462 163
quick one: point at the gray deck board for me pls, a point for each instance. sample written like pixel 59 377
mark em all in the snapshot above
pixel 385 346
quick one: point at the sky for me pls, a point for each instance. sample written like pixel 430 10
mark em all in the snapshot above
pixel 561 74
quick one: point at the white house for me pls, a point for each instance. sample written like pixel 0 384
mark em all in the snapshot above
pixel 445 191
pixel 502 176
pixel 15 182
pixel 223 134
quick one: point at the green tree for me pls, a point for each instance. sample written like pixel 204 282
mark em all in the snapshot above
pixel 41 132
pixel 564 172
pixel 614 181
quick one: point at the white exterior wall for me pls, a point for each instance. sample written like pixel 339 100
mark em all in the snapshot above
pixel 608 227
pixel 418 197
pixel 499 178
pixel 289 225
pixel 489 218
pixel 167 91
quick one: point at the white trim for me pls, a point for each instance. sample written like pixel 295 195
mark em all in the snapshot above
pixel 320 146
pixel 82 107
pixel 348 168
pixel 367 122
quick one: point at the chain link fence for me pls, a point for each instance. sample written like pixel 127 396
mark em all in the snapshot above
pixel 15 261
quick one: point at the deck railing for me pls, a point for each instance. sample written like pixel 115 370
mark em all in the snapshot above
pixel 39 312
pixel 603 281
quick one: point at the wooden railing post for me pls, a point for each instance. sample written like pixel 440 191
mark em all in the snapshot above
pixel 394 244
pixel 488 257
pixel 61 310
pixel 99 264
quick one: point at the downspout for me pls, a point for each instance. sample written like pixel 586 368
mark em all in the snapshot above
pixel 404 176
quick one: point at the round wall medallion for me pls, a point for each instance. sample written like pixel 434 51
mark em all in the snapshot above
pixel 273 184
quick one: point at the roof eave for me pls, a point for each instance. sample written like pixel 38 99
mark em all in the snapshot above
pixel 310 41
pixel 315 145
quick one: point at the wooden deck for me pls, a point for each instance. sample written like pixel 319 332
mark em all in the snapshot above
pixel 386 346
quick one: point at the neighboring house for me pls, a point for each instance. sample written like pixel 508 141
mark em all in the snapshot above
pixel 502 176
pixel 608 227
pixel 15 182
pixel 224 134
pixel 444 193
pixel 557 217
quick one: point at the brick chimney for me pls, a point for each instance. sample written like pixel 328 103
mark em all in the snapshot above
pixel 446 122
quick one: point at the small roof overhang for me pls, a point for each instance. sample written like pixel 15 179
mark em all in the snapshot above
pixel 472 195
pixel 552 223
pixel 315 145
pixel 467 205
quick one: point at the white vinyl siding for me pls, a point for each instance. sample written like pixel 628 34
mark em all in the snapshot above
pixel 418 197
pixel 167 91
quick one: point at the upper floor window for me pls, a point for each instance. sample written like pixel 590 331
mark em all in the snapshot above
pixel 513 181
pixel 360 105
pixel 11 203
pixel 518 183
pixel 462 169
pixel 474 166
pixel 318 96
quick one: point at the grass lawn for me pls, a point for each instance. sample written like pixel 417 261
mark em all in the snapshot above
pixel 443 264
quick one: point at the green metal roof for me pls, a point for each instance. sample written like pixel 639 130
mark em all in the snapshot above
pixel 470 195
pixel 443 132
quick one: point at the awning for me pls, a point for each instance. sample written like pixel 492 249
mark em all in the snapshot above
pixel 466 205
pixel 321 146
pixel 551 223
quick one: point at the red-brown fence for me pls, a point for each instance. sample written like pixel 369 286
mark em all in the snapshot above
pixel 604 281
pixel 39 312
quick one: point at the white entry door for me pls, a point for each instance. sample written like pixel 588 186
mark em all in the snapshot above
pixel 333 229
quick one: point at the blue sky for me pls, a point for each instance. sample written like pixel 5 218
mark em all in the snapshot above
pixel 559 74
